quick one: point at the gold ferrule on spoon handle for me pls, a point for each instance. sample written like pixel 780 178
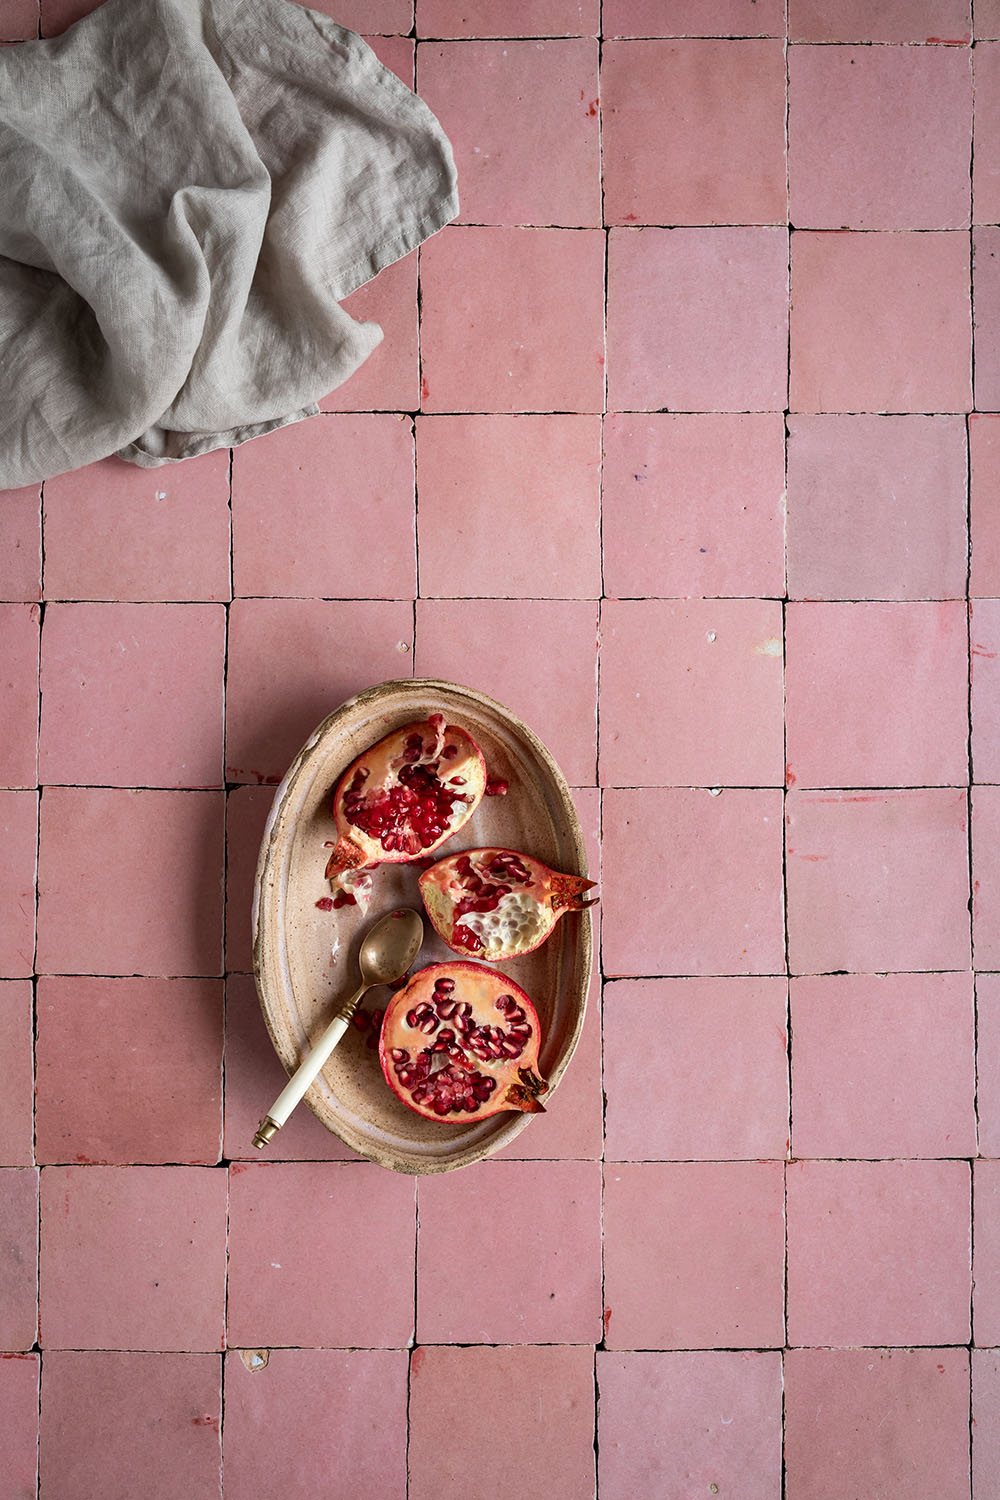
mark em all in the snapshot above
pixel 307 1070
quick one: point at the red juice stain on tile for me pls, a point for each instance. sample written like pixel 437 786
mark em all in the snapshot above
pixel 205 1422
pixel 975 898
pixel 947 41
pixel 236 1167
pixel 607 1319
pixel 425 389
pixel 790 776
pixel 35 612
pixel 17 1356
pixel 417 1360
pixel 592 107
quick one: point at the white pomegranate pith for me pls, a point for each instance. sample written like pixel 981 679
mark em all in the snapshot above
pixel 496 903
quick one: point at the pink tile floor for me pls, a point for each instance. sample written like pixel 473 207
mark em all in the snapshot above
pixel 684 442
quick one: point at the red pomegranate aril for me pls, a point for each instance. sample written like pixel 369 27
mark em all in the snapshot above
pixel 497 787
pixel 497 903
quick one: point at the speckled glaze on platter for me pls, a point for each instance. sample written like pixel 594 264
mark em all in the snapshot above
pixel 306 960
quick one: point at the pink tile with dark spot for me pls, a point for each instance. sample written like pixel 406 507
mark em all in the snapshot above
pixel 671 107
pixel 692 505
pixel 132 694
pixel 692 882
pixel 18 1257
pixel 512 320
pixel 693 1255
pixel 550 1271
pixel 552 687
pixel 698 319
pixel 452 1388
pixel 19 1379
pixel 986 306
pixel 133 1258
pixel 985 646
pixel 19 631
pixel 878 1252
pixel 691 693
pixel 325 509
pixel 714 1417
pixel 879 137
pixel 279 1433
pixel 877 881
pixel 880 322
pixel 718 1091
pixel 877 1421
pixel 523 120
pixel 877 507
pixel 17 1049
pixel 510 506
pixel 890 21
pixel 727 18
pixel 122 1424
pixel 877 694
pixel 291 662
pixel 19 831
pixel 884 1065
pixel 21 544
pixel 114 531
pixel 389 379
pixel 361 1222
pixel 157 908
pixel 129 1070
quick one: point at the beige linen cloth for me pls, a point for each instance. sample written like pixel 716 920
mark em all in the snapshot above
pixel 187 190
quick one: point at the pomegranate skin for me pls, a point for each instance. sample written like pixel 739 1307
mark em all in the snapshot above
pixel 496 904
pixel 404 796
pixel 461 1040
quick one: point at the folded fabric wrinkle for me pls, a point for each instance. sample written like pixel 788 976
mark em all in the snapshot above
pixel 188 188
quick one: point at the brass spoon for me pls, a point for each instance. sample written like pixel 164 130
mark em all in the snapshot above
pixel 386 953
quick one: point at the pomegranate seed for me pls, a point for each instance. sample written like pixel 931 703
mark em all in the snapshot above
pixel 496 787
pixel 325 903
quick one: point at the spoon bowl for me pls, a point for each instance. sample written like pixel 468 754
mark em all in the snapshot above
pixel 387 951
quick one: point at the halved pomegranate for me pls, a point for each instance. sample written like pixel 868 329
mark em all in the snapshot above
pixel 403 797
pixel 496 904
pixel 459 1040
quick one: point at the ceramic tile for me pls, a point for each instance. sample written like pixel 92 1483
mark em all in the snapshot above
pixel 878 1252
pixel 987 19
pixel 911 1094
pixel 899 717
pixel 986 308
pixel 986 1252
pixel 877 881
pixel 985 1423
pixel 17 1048
pixel 122 1424
pixel 984 629
pixel 495 18
pixel 509 506
pixel 986 876
pixel 325 509
pixel 880 323
pixel 129 1070
pixel 549 1272
pixel 693 1255
pixel 879 137
pixel 706 677
pixel 482 642
pixel 988 1062
pixel 19 631
pixel 361 1220
pixel 692 882
pixel 158 907
pixel 985 171
pixel 535 1392
pixel 21 544
pixel 19 1380
pixel 711 1419
pixel 876 507
pixel 19 21
pixel 57 15
pixel 291 662
pixel 133 1258
pixel 668 106
pixel 389 379
pixel 891 21
pixel 512 320
pixel 254 1079
pixel 984 505
pixel 398 54
pixel 697 319
pixel 132 694
pixel 696 18
pixel 18 1257
pixel 374 16
pixel 247 808
pixel 523 120
pixel 280 1439
pixel 693 504
pixel 19 831
pixel 873 1421
pixel 115 531
pixel 718 1091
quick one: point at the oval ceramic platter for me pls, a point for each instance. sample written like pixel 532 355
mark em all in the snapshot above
pixel 306 959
